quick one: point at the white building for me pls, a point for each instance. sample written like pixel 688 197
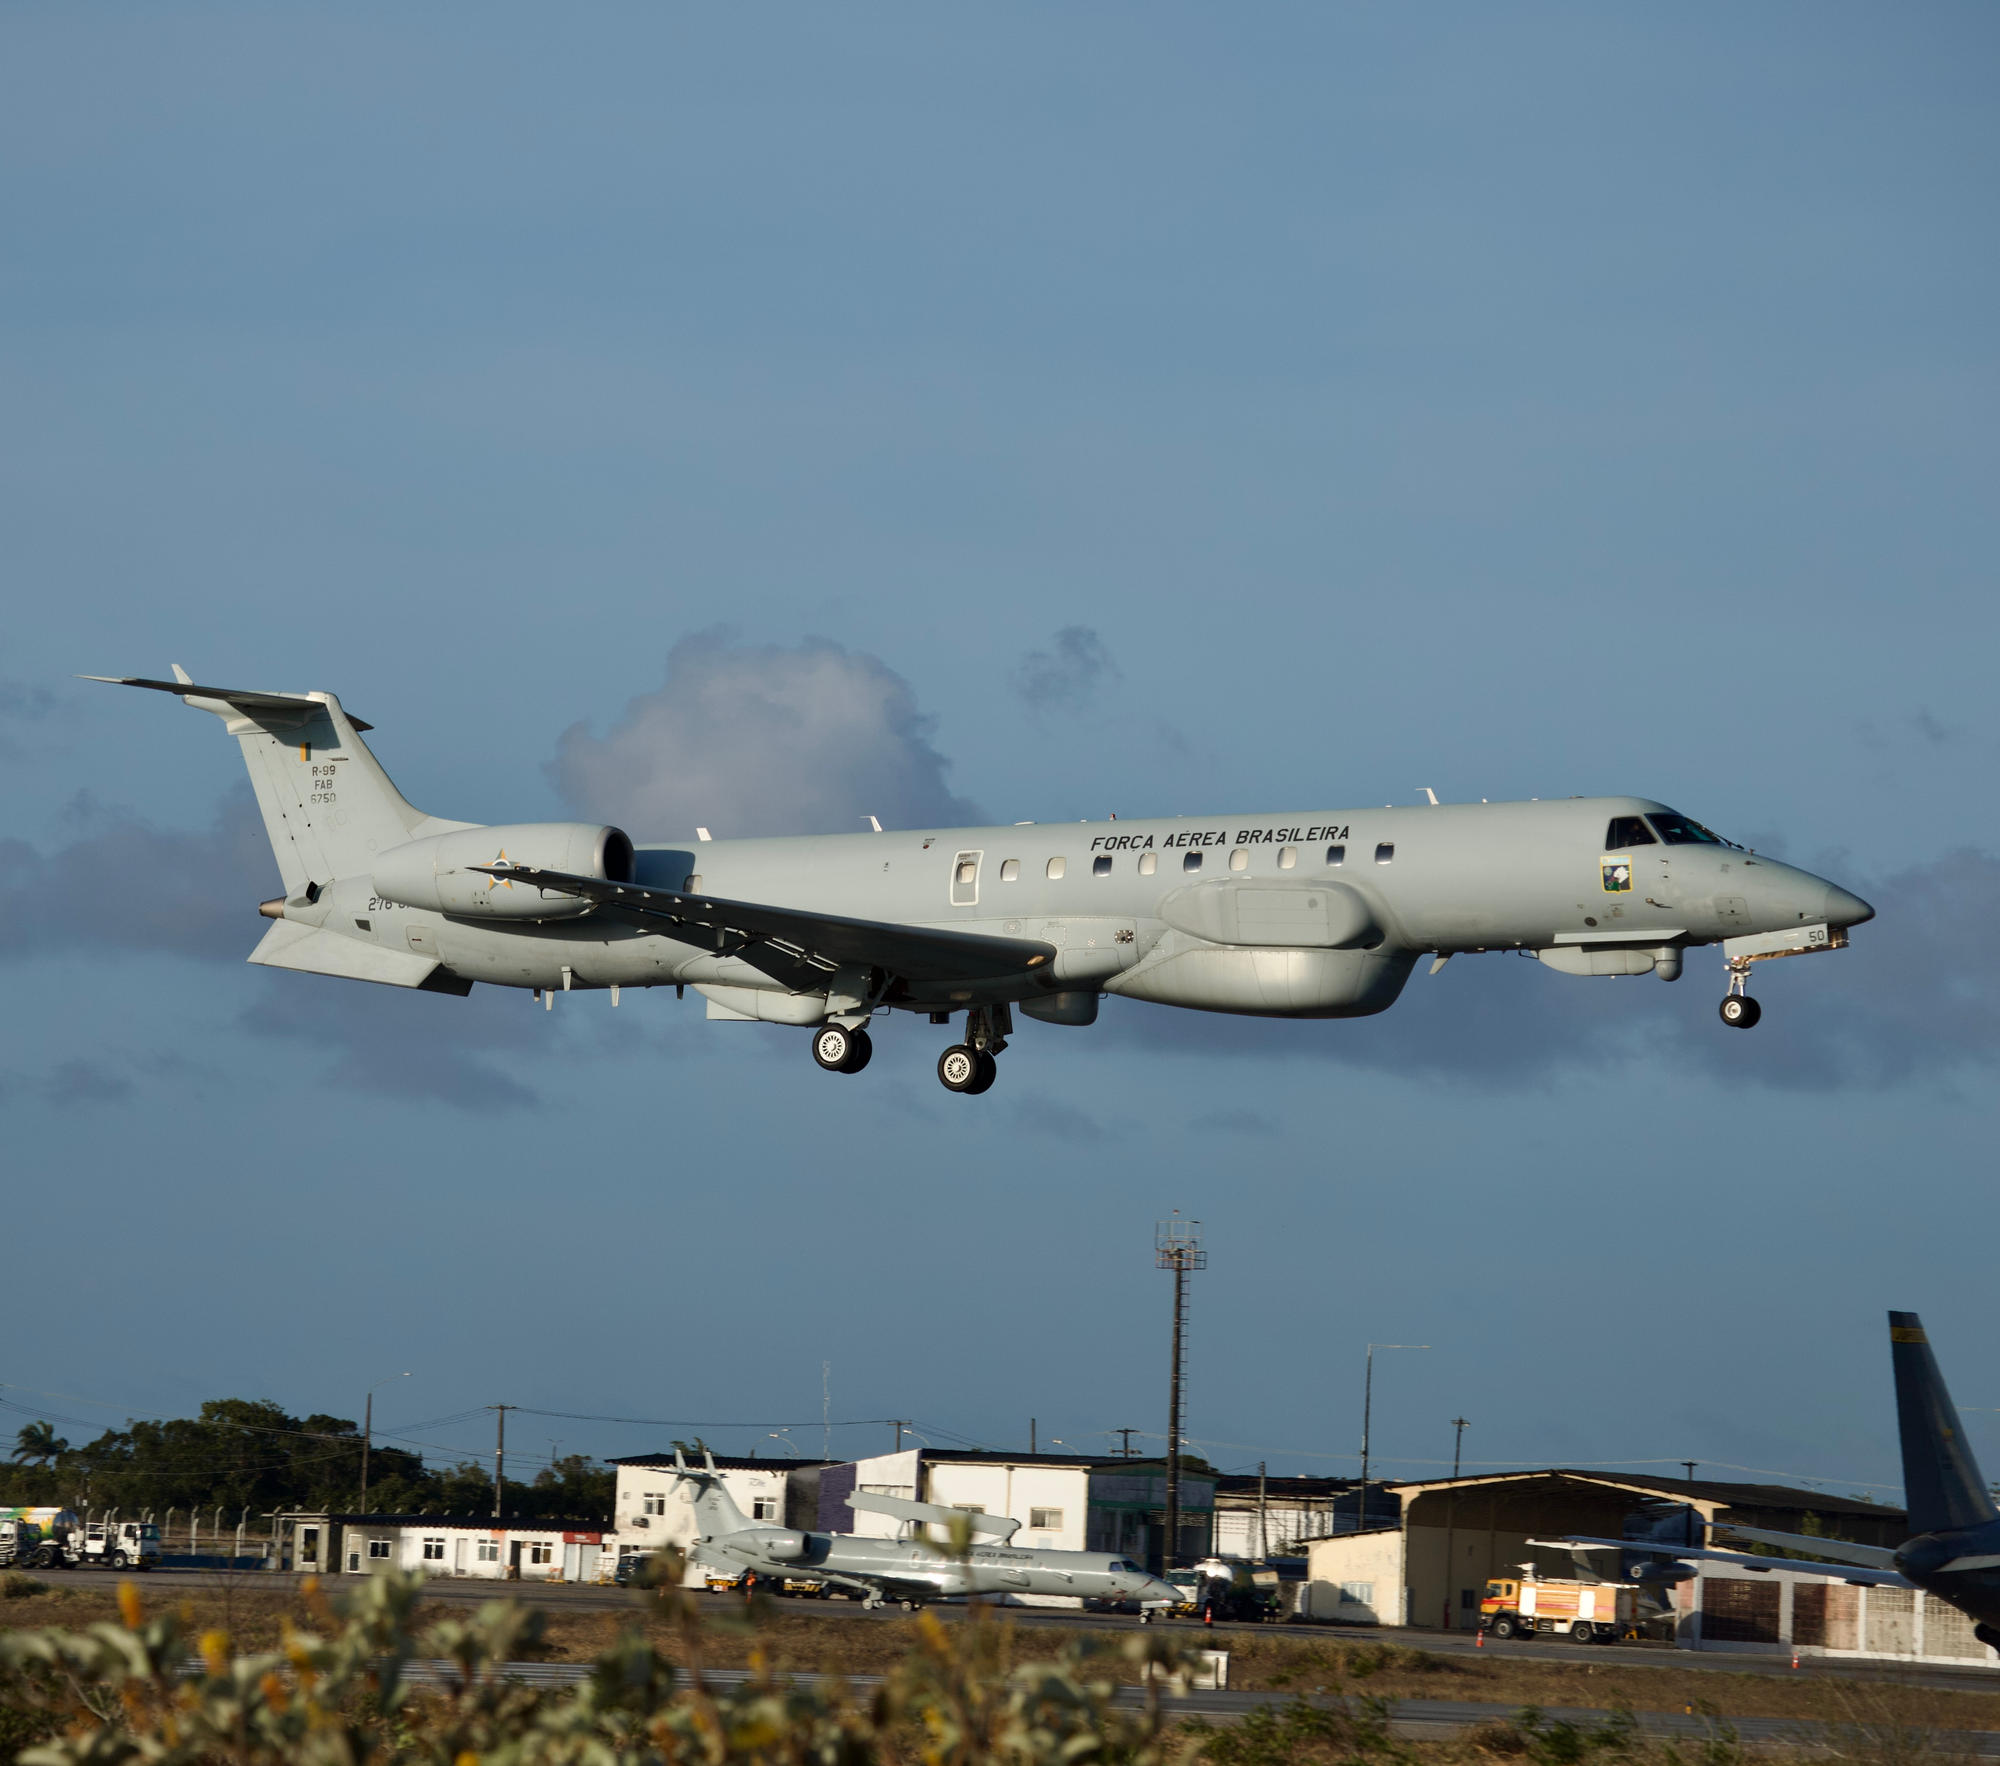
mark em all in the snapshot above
pixel 651 1511
pixel 460 1545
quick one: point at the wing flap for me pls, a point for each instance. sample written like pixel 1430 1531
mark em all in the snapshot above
pixel 819 941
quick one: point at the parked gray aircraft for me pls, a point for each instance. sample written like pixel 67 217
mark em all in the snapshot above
pixel 1309 915
pixel 910 1570
pixel 1953 1550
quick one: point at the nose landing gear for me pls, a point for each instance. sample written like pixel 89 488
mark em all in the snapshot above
pixel 1739 1010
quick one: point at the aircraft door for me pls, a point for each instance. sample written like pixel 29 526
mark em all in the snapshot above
pixel 965 879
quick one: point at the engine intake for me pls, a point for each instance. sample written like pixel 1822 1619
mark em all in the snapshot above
pixel 436 873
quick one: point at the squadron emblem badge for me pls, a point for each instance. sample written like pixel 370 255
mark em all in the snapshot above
pixel 1617 874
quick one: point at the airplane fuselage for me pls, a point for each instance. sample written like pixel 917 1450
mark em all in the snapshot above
pixel 1313 914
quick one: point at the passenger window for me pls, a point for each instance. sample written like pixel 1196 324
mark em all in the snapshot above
pixel 1056 868
pixel 1191 861
pixel 1239 860
pixel 1100 866
pixel 1288 858
pixel 1385 854
pixel 1627 831
pixel 1336 855
pixel 1010 870
pixel 1149 862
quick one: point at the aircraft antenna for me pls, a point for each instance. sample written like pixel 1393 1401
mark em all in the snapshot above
pixel 1176 1246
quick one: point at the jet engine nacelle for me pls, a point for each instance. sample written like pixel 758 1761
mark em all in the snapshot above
pixel 785 1546
pixel 437 873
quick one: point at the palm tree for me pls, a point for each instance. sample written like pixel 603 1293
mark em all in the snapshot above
pixel 39 1442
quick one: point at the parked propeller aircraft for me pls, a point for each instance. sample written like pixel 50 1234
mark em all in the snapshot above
pixel 910 1570
pixel 1953 1550
pixel 1295 915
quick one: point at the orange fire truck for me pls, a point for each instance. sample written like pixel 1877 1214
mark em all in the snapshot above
pixel 1585 1612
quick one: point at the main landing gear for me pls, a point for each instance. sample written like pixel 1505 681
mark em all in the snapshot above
pixel 840 1050
pixel 1739 1010
pixel 969 1066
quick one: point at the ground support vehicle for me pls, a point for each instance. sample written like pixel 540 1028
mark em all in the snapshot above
pixel 19 1543
pixel 1584 1612
pixel 113 1545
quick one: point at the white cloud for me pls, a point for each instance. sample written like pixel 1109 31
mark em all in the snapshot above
pixel 762 739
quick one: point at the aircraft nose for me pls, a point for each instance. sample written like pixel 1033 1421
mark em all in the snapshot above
pixel 1843 908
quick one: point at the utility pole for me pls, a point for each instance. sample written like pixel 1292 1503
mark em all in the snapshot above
pixel 368 1432
pixel 1458 1424
pixel 1031 1434
pixel 826 1410
pixel 899 1424
pixel 1176 1246
pixel 500 1455
pixel 1367 1404
pixel 1125 1444
pixel 1263 1521
pixel 1688 1529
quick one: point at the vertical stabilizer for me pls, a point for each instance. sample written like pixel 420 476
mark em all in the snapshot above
pixel 1941 1481
pixel 328 806
pixel 716 1515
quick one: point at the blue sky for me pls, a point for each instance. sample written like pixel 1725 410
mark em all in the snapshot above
pixel 1069 411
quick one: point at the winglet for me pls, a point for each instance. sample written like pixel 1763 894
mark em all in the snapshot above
pixel 1941 1481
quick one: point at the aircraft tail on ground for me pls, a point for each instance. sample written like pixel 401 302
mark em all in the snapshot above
pixel 1941 1481
pixel 715 1512
pixel 328 806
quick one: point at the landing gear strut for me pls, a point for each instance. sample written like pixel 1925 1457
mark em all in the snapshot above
pixel 1738 1009
pixel 840 1050
pixel 969 1067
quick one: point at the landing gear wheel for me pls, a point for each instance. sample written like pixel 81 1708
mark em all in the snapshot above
pixel 1740 1011
pixel 1583 1632
pixel 959 1069
pixel 989 1070
pixel 860 1053
pixel 833 1047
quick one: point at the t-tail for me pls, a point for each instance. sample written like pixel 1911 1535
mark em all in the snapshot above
pixel 715 1511
pixel 328 807
pixel 1941 1481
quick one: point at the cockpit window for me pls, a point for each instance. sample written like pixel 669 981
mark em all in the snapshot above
pixel 1678 830
pixel 1627 831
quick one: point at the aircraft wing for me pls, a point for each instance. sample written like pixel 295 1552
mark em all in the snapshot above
pixel 1875 1557
pixel 824 942
pixel 1869 1577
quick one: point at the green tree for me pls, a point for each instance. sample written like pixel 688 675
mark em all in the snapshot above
pixel 39 1443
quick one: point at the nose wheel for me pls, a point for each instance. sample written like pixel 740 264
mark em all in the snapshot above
pixel 840 1050
pixel 1739 1011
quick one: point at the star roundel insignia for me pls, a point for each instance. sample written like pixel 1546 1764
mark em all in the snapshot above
pixel 504 882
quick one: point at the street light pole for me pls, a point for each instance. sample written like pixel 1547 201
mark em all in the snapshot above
pixel 368 1431
pixel 1367 1407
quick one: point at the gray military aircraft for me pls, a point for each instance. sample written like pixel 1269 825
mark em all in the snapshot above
pixel 1307 915
pixel 910 1570
pixel 1953 1550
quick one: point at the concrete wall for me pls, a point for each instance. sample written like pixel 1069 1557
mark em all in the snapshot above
pixel 1774 1612
pixel 437 1548
pixel 1358 1577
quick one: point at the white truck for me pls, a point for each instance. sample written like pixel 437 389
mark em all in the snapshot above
pixel 53 1539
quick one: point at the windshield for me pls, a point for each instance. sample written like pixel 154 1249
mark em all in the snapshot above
pixel 1678 830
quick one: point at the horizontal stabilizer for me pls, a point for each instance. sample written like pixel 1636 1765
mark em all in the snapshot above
pixel 243 698
pixel 1880 1557
pixel 1870 1578
pixel 315 951
pixel 1001 1527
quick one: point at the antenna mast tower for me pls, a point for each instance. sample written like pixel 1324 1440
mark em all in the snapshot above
pixel 1177 1246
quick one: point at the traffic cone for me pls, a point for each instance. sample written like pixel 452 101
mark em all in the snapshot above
pixel 1795 1658
pixel 1479 1638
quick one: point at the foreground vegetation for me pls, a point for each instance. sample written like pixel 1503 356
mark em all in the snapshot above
pixel 248 1675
